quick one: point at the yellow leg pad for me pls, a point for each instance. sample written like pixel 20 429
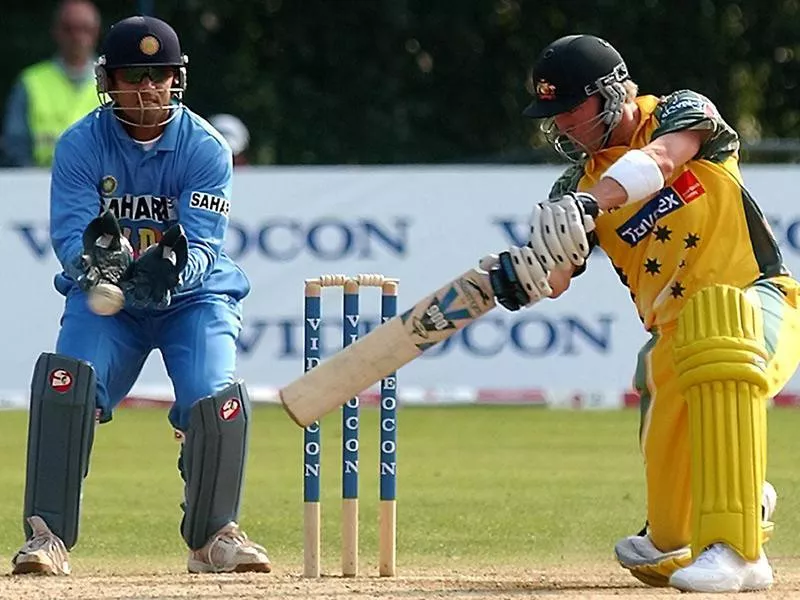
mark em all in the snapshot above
pixel 721 359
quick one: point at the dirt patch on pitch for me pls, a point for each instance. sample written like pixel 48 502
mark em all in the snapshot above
pixel 589 581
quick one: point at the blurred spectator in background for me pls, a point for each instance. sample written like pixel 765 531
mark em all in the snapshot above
pixel 51 95
pixel 235 133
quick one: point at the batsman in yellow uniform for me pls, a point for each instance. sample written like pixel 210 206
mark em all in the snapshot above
pixel 656 183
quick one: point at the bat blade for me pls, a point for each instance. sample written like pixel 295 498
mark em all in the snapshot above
pixel 388 347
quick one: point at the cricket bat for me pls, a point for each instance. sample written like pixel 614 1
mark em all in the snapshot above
pixel 388 347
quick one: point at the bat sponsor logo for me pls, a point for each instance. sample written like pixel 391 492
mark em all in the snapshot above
pixel 435 320
pixel 477 306
pixel 419 328
pixel 439 316
pixel 430 321
pixel 484 296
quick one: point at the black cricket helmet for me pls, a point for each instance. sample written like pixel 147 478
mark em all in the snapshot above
pixel 572 69
pixel 141 41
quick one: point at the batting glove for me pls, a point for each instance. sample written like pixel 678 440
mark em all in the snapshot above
pixel 559 230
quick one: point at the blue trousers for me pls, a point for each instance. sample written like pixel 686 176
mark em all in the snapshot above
pixel 196 338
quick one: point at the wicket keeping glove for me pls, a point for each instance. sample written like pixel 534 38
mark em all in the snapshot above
pixel 152 278
pixel 106 255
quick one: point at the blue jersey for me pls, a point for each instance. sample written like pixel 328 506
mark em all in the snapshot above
pixel 185 177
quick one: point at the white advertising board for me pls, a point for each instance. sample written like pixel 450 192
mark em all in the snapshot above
pixel 423 225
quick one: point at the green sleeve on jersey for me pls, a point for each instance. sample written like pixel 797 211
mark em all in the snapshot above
pixel 567 182
pixel 688 110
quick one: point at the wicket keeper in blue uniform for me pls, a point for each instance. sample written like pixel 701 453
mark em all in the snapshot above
pixel 140 196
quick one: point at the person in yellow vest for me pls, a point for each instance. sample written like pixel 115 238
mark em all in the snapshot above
pixel 655 182
pixel 51 95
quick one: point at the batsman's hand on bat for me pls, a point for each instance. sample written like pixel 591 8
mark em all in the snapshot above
pixel 106 255
pixel 560 228
pixel 152 278
pixel 559 242
pixel 518 279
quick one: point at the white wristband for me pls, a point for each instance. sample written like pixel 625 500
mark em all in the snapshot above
pixel 638 174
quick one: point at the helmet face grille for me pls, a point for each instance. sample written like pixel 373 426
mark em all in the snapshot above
pixel 140 41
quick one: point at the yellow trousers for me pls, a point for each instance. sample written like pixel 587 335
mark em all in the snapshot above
pixel 664 430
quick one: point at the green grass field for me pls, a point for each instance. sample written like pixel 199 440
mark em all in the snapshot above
pixel 477 487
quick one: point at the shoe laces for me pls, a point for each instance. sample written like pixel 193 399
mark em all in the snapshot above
pixel 37 542
pixel 234 534
pixel 41 538
pixel 709 556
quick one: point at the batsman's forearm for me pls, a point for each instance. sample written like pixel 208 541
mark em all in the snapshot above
pixel 609 194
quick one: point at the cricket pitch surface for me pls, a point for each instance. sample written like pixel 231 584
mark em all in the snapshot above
pixel 579 581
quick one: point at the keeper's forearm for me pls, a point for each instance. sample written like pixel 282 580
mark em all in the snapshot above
pixel 199 266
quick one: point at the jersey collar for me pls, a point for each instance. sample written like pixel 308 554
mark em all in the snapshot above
pixel 169 139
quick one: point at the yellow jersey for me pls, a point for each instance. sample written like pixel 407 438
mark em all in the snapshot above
pixel 702 228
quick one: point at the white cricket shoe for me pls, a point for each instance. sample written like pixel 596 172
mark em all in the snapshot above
pixel 229 551
pixel 43 554
pixel 648 564
pixel 720 569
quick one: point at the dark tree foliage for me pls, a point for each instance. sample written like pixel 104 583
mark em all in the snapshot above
pixel 443 81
